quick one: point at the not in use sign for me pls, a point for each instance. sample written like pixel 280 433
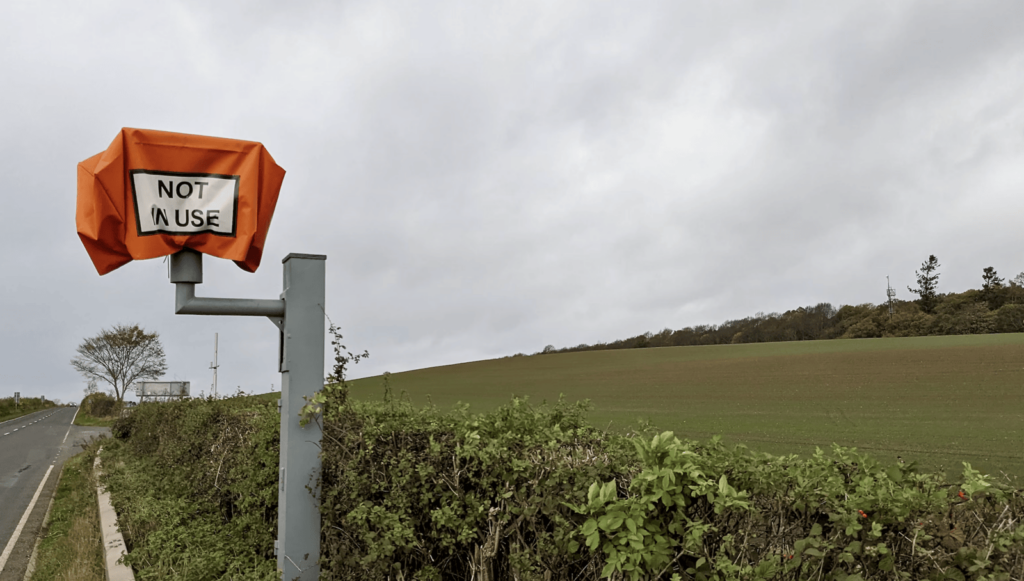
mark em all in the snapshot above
pixel 184 203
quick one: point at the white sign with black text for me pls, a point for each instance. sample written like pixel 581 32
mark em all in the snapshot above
pixel 184 203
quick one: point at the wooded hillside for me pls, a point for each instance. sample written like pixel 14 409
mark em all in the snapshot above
pixel 997 307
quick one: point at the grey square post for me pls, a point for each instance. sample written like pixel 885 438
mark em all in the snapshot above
pixel 299 314
pixel 302 374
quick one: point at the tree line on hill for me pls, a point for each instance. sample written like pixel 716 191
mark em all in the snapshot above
pixel 997 307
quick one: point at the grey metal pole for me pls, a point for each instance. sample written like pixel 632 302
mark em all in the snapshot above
pixel 302 374
pixel 299 314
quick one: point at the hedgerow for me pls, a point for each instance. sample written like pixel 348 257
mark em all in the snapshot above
pixel 536 493
pixel 26 405
pixel 417 493
pixel 194 484
pixel 531 492
pixel 99 405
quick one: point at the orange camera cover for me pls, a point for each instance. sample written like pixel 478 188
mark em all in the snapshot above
pixel 152 193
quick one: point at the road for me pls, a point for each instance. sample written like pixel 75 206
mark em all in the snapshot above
pixel 32 447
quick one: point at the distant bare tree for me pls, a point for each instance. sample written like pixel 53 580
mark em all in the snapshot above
pixel 121 356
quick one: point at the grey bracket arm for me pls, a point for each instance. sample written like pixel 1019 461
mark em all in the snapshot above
pixel 187 272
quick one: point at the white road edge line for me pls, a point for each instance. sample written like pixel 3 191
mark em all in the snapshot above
pixel 24 518
pixel 69 428
pixel 19 418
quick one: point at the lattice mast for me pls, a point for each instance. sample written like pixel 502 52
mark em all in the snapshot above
pixel 214 366
pixel 891 293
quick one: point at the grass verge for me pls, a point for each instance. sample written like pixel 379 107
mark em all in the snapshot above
pixel 71 547
pixel 86 419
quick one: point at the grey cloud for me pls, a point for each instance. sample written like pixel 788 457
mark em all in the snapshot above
pixel 491 178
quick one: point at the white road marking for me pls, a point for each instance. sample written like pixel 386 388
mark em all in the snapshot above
pixel 69 430
pixel 24 518
pixel 39 420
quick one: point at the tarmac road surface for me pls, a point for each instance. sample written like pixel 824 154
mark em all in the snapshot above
pixel 29 447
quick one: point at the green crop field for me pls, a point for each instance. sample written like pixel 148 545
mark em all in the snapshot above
pixel 936 400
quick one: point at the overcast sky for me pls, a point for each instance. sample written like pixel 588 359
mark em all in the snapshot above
pixel 488 178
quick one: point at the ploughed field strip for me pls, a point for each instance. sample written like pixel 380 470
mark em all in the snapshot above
pixel 936 400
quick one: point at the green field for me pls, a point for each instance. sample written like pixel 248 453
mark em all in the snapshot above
pixel 936 400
